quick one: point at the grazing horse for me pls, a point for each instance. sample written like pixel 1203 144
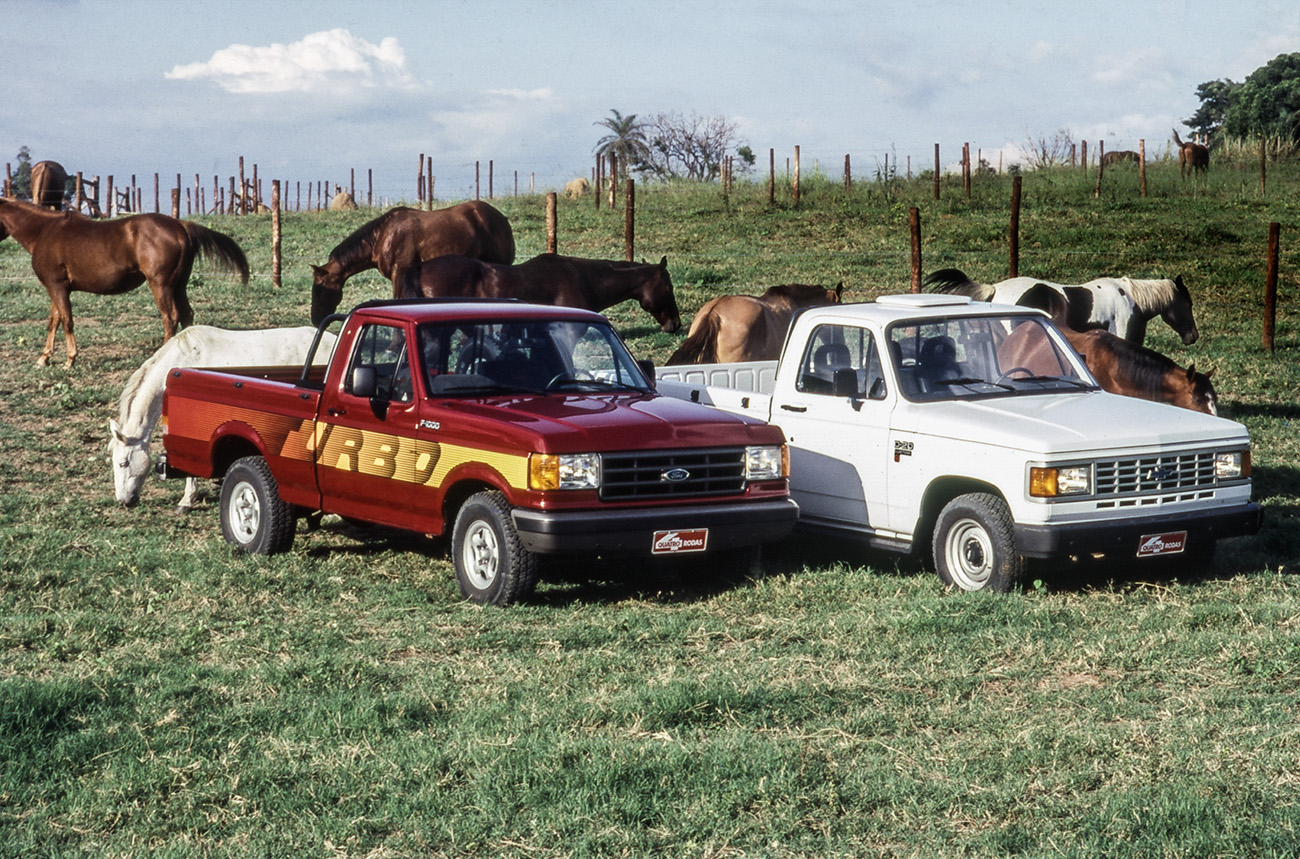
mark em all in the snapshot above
pixel 402 238
pixel 1120 305
pixel 748 327
pixel 593 284
pixel 72 252
pixel 140 404
pixel 49 183
pixel 1120 156
pixel 1192 156
pixel 1119 366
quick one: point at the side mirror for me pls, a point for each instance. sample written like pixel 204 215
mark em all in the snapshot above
pixel 363 382
pixel 647 369
pixel 845 382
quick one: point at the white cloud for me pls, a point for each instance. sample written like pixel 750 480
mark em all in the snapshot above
pixel 320 62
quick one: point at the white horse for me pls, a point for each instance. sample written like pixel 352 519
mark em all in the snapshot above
pixel 140 405
pixel 1120 305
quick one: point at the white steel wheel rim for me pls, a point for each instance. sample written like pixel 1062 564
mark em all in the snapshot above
pixel 245 513
pixel 969 553
pixel 481 555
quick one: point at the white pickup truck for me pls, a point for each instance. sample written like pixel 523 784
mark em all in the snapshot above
pixel 911 426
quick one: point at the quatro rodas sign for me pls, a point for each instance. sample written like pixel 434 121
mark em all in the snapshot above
pixel 1162 544
pixel 673 542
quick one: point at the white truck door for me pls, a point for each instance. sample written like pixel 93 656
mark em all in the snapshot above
pixel 837 441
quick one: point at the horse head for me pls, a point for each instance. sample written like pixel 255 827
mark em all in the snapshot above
pixel 1178 315
pixel 326 290
pixel 1199 395
pixel 658 299
pixel 130 460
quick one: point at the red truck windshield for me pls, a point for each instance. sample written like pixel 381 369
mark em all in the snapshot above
pixel 473 358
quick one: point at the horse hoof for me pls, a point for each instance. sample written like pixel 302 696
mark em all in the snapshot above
pixel 182 509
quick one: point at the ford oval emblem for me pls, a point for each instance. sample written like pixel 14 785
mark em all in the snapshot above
pixel 675 475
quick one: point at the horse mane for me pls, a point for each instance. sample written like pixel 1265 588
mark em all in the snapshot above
pixel 140 405
pixel 358 242
pixel 1150 297
pixel 955 282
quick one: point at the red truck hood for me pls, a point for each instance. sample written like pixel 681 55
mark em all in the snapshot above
pixel 574 423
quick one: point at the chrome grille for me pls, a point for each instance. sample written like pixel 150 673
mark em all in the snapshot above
pixel 672 474
pixel 1175 473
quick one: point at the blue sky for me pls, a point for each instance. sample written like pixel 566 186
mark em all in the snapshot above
pixel 311 90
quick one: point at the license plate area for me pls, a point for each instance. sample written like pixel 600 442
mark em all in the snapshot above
pixel 1156 545
pixel 678 542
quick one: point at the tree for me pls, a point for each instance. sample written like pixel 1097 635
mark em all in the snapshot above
pixel 626 140
pixel 690 147
pixel 22 179
pixel 1268 103
pixel 1216 98
pixel 1049 151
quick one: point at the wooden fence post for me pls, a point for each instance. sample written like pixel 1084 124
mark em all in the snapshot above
pixel 419 183
pixel 771 177
pixel 551 224
pixel 936 171
pixel 1263 167
pixel 1101 167
pixel 110 204
pixel 613 180
pixel 965 168
pixel 848 174
pixel 914 220
pixel 176 202
pixel 1013 240
pixel 796 175
pixel 476 180
pixel 243 189
pixel 428 185
pixel 1142 166
pixel 491 178
pixel 275 233
pixel 1083 156
pixel 629 219
pixel 1270 286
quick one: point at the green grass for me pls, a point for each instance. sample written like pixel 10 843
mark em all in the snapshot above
pixel 163 695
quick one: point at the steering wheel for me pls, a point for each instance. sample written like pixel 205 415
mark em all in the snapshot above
pixel 1009 373
pixel 564 376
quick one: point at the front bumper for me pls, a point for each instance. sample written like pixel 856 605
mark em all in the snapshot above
pixel 627 531
pixel 1121 536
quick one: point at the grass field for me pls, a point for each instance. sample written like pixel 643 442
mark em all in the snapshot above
pixel 162 695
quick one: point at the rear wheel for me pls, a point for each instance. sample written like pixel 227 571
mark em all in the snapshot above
pixel 253 516
pixel 974 545
pixel 492 566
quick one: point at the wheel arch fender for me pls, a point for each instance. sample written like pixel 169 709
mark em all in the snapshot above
pixel 937 495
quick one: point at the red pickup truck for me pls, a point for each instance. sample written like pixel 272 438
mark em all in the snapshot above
pixel 524 430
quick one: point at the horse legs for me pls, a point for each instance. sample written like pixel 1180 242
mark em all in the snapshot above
pixel 173 305
pixel 60 313
pixel 187 499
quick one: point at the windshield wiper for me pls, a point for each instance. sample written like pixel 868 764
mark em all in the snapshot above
pixel 967 381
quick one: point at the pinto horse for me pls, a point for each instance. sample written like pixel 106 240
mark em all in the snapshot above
pixel 1119 366
pixel 592 284
pixel 72 252
pixel 1121 305
pixel 401 238
pixel 49 183
pixel 748 327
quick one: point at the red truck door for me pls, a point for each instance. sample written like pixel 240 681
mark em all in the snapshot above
pixel 366 427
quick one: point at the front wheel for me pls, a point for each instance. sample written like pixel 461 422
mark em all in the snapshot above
pixel 974 545
pixel 253 516
pixel 492 566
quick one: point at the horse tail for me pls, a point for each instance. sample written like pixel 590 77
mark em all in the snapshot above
pixel 701 347
pixel 955 282
pixel 219 248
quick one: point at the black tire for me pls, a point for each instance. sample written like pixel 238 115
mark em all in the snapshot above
pixel 253 516
pixel 974 545
pixel 492 565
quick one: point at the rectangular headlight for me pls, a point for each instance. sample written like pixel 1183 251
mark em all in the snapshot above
pixel 1232 465
pixel 1061 480
pixel 564 471
pixel 766 462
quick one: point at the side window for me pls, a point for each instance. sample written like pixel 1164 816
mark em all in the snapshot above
pixel 385 369
pixel 841 347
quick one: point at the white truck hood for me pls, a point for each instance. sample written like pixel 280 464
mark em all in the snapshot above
pixel 1068 423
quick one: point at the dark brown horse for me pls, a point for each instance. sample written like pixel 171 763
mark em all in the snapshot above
pixel 49 183
pixel 748 327
pixel 401 238
pixel 593 284
pixel 72 252
pixel 1192 157
pixel 1120 366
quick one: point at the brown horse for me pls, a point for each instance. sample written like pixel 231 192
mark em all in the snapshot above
pixel 1192 156
pixel 1120 156
pixel 49 182
pixel 747 327
pixel 1120 366
pixel 593 284
pixel 72 252
pixel 402 238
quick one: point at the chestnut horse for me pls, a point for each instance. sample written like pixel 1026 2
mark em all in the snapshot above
pixel 592 284
pixel 1192 156
pixel 747 327
pixel 49 183
pixel 402 238
pixel 1119 366
pixel 72 252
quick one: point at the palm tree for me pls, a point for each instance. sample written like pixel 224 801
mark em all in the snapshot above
pixel 626 140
